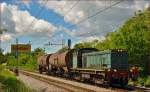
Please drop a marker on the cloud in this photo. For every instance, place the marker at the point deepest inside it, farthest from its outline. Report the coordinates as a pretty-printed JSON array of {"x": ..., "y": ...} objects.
[
  {"x": 99, "y": 25},
  {"x": 147, "y": 5},
  {"x": 5, "y": 37},
  {"x": 18, "y": 22},
  {"x": 22, "y": 23},
  {"x": 66, "y": 9},
  {"x": 26, "y": 3},
  {"x": 92, "y": 38}
]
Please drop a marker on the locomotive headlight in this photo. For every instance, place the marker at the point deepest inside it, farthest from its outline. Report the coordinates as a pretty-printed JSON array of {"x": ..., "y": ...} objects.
[
  {"x": 108, "y": 70},
  {"x": 115, "y": 70}
]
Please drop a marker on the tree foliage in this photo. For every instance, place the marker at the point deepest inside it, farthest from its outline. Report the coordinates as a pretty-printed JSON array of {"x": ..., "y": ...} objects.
[
  {"x": 63, "y": 49},
  {"x": 2, "y": 57},
  {"x": 25, "y": 60},
  {"x": 86, "y": 45}
]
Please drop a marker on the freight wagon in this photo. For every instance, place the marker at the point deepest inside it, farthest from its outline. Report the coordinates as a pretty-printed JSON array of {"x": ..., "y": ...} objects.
[{"x": 43, "y": 62}]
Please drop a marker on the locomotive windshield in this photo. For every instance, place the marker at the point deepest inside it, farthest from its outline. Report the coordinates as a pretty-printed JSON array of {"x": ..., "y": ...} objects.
[{"x": 119, "y": 60}]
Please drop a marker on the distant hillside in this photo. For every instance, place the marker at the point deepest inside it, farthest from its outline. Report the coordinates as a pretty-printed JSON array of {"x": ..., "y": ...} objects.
[{"x": 133, "y": 36}]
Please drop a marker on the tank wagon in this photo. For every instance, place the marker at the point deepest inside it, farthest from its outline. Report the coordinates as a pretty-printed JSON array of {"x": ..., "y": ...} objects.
[
  {"x": 59, "y": 63},
  {"x": 62, "y": 63},
  {"x": 88, "y": 64},
  {"x": 43, "y": 62}
]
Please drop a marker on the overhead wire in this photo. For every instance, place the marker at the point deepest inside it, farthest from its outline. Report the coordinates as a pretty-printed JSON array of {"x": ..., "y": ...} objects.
[
  {"x": 95, "y": 14},
  {"x": 38, "y": 13},
  {"x": 67, "y": 12},
  {"x": 89, "y": 17}
]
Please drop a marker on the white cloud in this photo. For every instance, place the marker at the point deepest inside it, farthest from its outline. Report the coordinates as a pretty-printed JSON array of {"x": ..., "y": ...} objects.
[
  {"x": 5, "y": 37},
  {"x": 26, "y": 2},
  {"x": 147, "y": 5},
  {"x": 100, "y": 24},
  {"x": 22, "y": 23},
  {"x": 17, "y": 22},
  {"x": 92, "y": 38},
  {"x": 65, "y": 9},
  {"x": 140, "y": 4}
]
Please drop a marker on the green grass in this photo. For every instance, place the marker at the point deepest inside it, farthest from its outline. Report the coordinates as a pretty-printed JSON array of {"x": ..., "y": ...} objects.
[
  {"x": 141, "y": 82},
  {"x": 9, "y": 83}
]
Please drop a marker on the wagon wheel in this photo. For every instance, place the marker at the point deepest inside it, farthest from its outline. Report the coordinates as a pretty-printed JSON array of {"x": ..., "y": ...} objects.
[
  {"x": 123, "y": 82},
  {"x": 49, "y": 69},
  {"x": 40, "y": 69}
]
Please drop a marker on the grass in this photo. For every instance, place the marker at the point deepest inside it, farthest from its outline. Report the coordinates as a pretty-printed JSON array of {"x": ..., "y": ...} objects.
[
  {"x": 9, "y": 82},
  {"x": 142, "y": 81}
]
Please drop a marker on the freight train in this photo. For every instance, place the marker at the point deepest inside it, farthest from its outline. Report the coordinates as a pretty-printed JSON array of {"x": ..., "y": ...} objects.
[{"x": 88, "y": 64}]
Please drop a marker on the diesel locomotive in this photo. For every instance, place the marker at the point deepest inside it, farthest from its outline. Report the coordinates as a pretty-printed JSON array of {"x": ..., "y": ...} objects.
[{"x": 88, "y": 64}]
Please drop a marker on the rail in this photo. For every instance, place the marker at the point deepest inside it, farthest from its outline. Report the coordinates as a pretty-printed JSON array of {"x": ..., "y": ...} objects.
[{"x": 71, "y": 86}]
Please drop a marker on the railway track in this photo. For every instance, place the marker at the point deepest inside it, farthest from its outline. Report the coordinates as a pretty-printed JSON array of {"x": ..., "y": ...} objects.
[
  {"x": 73, "y": 86},
  {"x": 144, "y": 89}
]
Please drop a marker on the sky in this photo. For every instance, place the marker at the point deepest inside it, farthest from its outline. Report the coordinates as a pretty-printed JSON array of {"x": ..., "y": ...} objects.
[{"x": 43, "y": 21}]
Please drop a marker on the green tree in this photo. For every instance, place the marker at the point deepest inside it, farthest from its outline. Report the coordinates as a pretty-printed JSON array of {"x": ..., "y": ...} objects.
[
  {"x": 38, "y": 52},
  {"x": 27, "y": 61},
  {"x": 63, "y": 49},
  {"x": 2, "y": 58}
]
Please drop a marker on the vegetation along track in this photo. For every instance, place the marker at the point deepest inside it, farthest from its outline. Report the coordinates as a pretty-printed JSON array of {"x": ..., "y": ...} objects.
[{"x": 71, "y": 86}]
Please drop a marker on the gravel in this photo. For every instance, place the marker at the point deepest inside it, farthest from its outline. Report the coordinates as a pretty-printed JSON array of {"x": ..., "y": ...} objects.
[{"x": 38, "y": 85}]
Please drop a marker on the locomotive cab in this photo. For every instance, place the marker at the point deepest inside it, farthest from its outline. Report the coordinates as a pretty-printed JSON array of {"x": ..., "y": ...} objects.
[{"x": 118, "y": 73}]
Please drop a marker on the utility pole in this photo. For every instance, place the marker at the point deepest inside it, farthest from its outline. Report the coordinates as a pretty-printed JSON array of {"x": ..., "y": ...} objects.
[
  {"x": 30, "y": 45},
  {"x": 0, "y": 43},
  {"x": 17, "y": 52},
  {"x": 149, "y": 41},
  {"x": 17, "y": 68},
  {"x": 0, "y": 37},
  {"x": 1, "y": 32}
]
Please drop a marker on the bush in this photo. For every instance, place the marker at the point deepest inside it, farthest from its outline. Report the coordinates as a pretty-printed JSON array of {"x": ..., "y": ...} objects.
[{"x": 147, "y": 83}]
